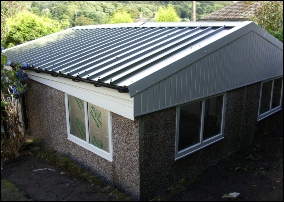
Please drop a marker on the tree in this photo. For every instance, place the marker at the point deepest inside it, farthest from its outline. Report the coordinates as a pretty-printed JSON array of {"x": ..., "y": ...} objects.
[
  {"x": 269, "y": 16},
  {"x": 26, "y": 26},
  {"x": 121, "y": 17},
  {"x": 8, "y": 9},
  {"x": 167, "y": 14},
  {"x": 82, "y": 20},
  {"x": 59, "y": 11}
]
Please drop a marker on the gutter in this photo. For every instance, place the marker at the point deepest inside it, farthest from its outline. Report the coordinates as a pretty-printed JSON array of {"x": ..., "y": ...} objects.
[{"x": 121, "y": 89}]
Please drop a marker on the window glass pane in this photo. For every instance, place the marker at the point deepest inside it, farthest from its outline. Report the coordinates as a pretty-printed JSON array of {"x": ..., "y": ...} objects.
[
  {"x": 276, "y": 92},
  {"x": 77, "y": 117},
  {"x": 265, "y": 97},
  {"x": 98, "y": 127},
  {"x": 189, "y": 125},
  {"x": 212, "y": 117}
]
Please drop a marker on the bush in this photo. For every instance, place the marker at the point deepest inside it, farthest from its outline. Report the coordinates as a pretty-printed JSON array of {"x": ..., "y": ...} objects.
[{"x": 26, "y": 26}]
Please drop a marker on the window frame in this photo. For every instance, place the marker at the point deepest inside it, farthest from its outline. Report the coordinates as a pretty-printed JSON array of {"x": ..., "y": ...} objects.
[
  {"x": 203, "y": 143},
  {"x": 271, "y": 110},
  {"x": 85, "y": 144}
]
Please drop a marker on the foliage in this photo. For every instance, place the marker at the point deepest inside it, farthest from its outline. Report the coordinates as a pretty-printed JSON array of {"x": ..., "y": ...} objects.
[
  {"x": 82, "y": 20},
  {"x": 12, "y": 129},
  {"x": 167, "y": 14},
  {"x": 269, "y": 16},
  {"x": 121, "y": 17},
  {"x": 26, "y": 26},
  {"x": 8, "y": 9}
]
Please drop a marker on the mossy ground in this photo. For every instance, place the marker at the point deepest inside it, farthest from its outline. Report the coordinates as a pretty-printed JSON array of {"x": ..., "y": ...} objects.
[
  {"x": 81, "y": 173},
  {"x": 9, "y": 192}
]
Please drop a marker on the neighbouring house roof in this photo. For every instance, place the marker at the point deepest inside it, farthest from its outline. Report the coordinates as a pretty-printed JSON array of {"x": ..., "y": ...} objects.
[
  {"x": 160, "y": 64},
  {"x": 240, "y": 10}
]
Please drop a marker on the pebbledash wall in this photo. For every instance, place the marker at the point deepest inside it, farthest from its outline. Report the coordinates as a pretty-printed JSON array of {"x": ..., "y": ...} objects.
[
  {"x": 47, "y": 120},
  {"x": 144, "y": 162},
  {"x": 158, "y": 151}
]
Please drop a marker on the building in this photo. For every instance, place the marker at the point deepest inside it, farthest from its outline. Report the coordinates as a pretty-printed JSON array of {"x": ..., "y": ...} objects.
[
  {"x": 237, "y": 11},
  {"x": 144, "y": 105}
]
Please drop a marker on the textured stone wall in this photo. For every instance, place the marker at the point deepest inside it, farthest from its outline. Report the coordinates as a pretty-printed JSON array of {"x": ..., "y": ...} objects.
[
  {"x": 47, "y": 120},
  {"x": 160, "y": 170},
  {"x": 157, "y": 147},
  {"x": 126, "y": 174}
]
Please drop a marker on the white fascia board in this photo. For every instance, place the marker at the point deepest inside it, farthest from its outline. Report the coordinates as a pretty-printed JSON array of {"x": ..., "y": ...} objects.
[{"x": 107, "y": 98}]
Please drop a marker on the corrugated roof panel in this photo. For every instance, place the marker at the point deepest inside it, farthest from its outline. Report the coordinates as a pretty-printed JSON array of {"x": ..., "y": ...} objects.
[
  {"x": 109, "y": 55},
  {"x": 162, "y": 58},
  {"x": 136, "y": 50},
  {"x": 98, "y": 49},
  {"x": 178, "y": 62}
]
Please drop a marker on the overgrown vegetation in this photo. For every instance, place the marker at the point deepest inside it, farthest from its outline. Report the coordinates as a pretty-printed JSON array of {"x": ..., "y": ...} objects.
[
  {"x": 13, "y": 130},
  {"x": 12, "y": 88}
]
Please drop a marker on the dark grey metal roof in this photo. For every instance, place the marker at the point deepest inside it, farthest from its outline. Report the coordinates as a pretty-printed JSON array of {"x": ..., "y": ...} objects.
[
  {"x": 161, "y": 65},
  {"x": 117, "y": 55}
]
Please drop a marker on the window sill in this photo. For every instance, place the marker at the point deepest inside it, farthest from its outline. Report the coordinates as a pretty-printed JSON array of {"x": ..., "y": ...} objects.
[
  {"x": 90, "y": 147},
  {"x": 198, "y": 147},
  {"x": 266, "y": 114}
]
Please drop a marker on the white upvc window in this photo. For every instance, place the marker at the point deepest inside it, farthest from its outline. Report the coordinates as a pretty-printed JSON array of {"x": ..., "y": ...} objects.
[
  {"x": 89, "y": 126},
  {"x": 199, "y": 124},
  {"x": 270, "y": 97}
]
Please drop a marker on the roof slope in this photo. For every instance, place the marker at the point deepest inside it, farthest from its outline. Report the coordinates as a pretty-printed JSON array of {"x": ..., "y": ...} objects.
[
  {"x": 240, "y": 10},
  {"x": 129, "y": 57},
  {"x": 115, "y": 56}
]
